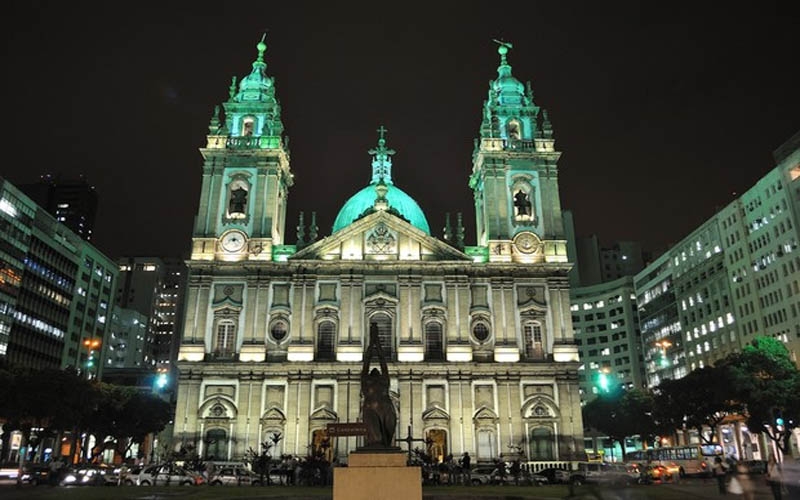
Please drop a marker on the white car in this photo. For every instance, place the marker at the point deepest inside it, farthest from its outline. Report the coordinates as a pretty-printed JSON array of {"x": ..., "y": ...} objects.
[
  {"x": 166, "y": 474},
  {"x": 235, "y": 476}
]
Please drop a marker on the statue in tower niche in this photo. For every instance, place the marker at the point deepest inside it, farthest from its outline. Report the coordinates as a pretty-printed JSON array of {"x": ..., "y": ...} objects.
[
  {"x": 238, "y": 201},
  {"x": 377, "y": 409},
  {"x": 522, "y": 203}
]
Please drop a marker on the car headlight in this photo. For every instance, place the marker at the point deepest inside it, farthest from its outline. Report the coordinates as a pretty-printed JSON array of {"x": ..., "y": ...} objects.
[{"x": 70, "y": 478}]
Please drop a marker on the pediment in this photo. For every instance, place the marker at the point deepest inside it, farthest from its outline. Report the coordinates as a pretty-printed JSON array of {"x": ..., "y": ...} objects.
[
  {"x": 274, "y": 414},
  {"x": 325, "y": 414},
  {"x": 380, "y": 236},
  {"x": 540, "y": 407},
  {"x": 485, "y": 414},
  {"x": 435, "y": 413}
]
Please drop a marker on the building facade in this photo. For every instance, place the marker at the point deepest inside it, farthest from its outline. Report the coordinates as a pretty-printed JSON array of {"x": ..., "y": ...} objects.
[
  {"x": 609, "y": 341},
  {"x": 154, "y": 287},
  {"x": 479, "y": 338},
  {"x": 56, "y": 290},
  {"x": 73, "y": 202}
]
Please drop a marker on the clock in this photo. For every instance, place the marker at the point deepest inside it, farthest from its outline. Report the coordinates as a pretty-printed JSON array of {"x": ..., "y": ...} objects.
[
  {"x": 233, "y": 241},
  {"x": 527, "y": 242}
]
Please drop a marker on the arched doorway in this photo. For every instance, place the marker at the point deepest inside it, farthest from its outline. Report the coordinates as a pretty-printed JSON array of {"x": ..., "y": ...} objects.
[
  {"x": 437, "y": 444},
  {"x": 541, "y": 444},
  {"x": 216, "y": 444}
]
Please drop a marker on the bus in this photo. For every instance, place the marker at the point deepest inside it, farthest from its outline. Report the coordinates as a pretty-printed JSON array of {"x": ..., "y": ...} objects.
[{"x": 687, "y": 460}]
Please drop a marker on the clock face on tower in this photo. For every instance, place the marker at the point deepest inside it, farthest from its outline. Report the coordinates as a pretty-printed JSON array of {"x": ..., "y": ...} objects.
[{"x": 233, "y": 241}]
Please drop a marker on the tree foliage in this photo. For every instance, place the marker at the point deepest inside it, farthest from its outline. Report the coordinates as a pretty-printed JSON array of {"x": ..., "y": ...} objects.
[
  {"x": 767, "y": 385},
  {"x": 703, "y": 398},
  {"x": 622, "y": 414},
  {"x": 59, "y": 401}
]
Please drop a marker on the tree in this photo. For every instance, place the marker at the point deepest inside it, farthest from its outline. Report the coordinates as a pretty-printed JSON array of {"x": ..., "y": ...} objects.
[
  {"x": 703, "y": 398},
  {"x": 262, "y": 460},
  {"x": 767, "y": 384},
  {"x": 125, "y": 415},
  {"x": 622, "y": 414}
]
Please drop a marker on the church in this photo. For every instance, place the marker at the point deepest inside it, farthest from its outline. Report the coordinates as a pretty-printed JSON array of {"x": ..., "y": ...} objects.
[{"x": 478, "y": 338}]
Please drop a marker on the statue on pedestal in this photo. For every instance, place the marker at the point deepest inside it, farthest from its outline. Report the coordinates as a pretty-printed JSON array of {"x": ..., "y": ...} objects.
[{"x": 377, "y": 409}]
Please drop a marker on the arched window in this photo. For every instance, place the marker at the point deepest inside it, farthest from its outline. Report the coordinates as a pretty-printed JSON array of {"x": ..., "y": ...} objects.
[
  {"x": 486, "y": 445},
  {"x": 248, "y": 126},
  {"x": 274, "y": 437},
  {"x": 542, "y": 444},
  {"x": 513, "y": 130},
  {"x": 434, "y": 343},
  {"x": 534, "y": 347},
  {"x": 216, "y": 441},
  {"x": 384, "y": 323},
  {"x": 326, "y": 338},
  {"x": 226, "y": 338}
]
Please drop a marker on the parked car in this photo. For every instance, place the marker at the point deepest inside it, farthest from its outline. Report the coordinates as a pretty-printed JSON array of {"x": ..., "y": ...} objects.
[
  {"x": 234, "y": 475},
  {"x": 483, "y": 475},
  {"x": 167, "y": 474},
  {"x": 606, "y": 473},
  {"x": 555, "y": 475}
]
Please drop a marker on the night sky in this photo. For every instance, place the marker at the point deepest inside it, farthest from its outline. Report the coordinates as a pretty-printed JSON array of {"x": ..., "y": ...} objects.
[{"x": 661, "y": 114}]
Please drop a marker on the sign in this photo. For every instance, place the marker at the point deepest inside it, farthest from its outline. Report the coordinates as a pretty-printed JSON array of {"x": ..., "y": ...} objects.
[{"x": 347, "y": 429}]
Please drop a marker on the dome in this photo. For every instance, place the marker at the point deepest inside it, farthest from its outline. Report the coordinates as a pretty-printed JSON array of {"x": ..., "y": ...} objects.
[{"x": 365, "y": 199}]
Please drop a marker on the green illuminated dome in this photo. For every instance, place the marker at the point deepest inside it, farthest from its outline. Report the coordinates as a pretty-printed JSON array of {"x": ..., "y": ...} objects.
[{"x": 371, "y": 198}]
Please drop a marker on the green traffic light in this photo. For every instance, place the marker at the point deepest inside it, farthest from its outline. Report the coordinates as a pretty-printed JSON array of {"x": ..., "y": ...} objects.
[{"x": 779, "y": 421}]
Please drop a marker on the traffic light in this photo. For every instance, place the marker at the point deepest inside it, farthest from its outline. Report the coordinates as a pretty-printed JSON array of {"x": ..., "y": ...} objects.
[
  {"x": 161, "y": 381},
  {"x": 602, "y": 381}
]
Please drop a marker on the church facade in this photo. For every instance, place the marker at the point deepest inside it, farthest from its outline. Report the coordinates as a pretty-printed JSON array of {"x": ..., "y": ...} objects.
[{"x": 478, "y": 339}]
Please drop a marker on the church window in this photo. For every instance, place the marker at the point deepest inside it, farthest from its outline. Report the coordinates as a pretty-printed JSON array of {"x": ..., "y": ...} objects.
[
  {"x": 248, "y": 126},
  {"x": 384, "y": 324},
  {"x": 226, "y": 337},
  {"x": 238, "y": 194},
  {"x": 480, "y": 330},
  {"x": 514, "y": 130},
  {"x": 534, "y": 348},
  {"x": 216, "y": 441},
  {"x": 522, "y": 204},
  {"x": 434, "y": 343},
  {"x": 541, "y": 443},
  {"x": 486, "y": 445},
  {"x": 278, "y": 330},
  {"x": 326, "y": 337}
]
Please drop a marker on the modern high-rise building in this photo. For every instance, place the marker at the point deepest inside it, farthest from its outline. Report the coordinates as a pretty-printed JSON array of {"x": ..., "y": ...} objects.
[
  {"x": 154, "y": 287},
  {"x": 478, "y": 338},
  {"x": 734, "y": 277},
  {"x": 609, "y": 341},
  {"x": 73, "y": 202},
  {"x": 55, "y": 289}
]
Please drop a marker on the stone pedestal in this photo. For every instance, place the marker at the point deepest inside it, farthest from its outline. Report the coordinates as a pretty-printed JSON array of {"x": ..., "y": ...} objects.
[{"x": 377, "y": 476}]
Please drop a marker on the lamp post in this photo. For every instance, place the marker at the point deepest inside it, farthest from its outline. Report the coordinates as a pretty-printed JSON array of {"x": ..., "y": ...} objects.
[
  {"x": 91, "y": 345},
  {"x": 664, "y": 345}
]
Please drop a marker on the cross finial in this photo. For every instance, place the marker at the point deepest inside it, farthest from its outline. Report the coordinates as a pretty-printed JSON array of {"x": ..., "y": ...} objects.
[{"x": 382, "y": 131}]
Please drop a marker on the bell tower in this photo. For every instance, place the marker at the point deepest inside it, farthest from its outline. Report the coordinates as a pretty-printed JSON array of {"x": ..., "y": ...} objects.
[
  {"x": 246, "y": 173},
  {"x": 515, "y": 174}
]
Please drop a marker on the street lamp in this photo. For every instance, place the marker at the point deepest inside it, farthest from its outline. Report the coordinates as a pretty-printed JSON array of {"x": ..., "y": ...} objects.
[
  {"x": 91, "y": 345},
  {"x": 664, "y": 345}
]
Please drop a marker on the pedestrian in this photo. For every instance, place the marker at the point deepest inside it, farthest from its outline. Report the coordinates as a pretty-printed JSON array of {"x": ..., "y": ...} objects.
[
  {"x": 466, "y": 461},
  {"x": 743, "y": 476},
  {"x": 774, "y": 477},
  {"x": 719, "y": 470}
]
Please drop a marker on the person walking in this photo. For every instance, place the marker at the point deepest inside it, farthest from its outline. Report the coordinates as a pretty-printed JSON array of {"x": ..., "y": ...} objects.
[
  {"x": 774, "y": 477},
  {"x": 466, "y": 461},
  {"x": 719, "y": 471}
]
